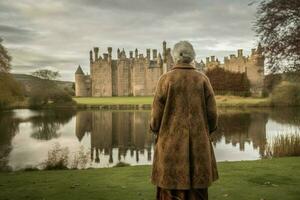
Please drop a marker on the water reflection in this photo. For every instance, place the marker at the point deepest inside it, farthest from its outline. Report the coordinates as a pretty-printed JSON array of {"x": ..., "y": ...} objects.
[
  {"x": 47, "y": 127},
  {"x": 8, "y": 129},
  {"x": 126, "y": 131},
  {"x": 113, "y": 136}
]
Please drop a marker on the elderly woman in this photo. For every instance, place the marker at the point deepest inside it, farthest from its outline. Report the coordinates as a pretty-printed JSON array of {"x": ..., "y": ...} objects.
[{"x": 183, "y": 116}]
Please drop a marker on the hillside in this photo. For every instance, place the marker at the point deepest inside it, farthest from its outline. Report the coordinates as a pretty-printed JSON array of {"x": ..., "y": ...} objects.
[{"x": 30, "y": 82}]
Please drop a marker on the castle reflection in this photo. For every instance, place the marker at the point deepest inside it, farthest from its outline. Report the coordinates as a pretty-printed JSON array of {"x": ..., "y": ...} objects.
[
  {"x": 126, "y": 131},
  {"x": 241, "y": 128}
]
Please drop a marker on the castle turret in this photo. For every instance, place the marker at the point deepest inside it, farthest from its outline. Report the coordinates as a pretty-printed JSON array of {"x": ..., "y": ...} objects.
[
  {"x": 118, "y": 53},
  {"x": 123, "y": 54},
  {"x": 164, "y": 51},
  {"x": 96, "y": 51},
  {"x": 81, "y": 89},
  {"x": 131, "y": 54},
  {"x": 240, "y": 52},
  {"x": 154, "y": 53},
  {"x": 207, "y": 60},
  {"x": 148, "y": 54},
  {"x": 212, "y": 58},
  {"x": 109, "y": 49},
  {"x": 91, "y": 56}
]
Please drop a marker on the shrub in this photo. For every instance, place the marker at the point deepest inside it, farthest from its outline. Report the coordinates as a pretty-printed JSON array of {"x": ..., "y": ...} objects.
[
  {"x": 58, "y": 158},
  {"x": 10, "y": 90},
  {"x": 286, "y": 94},
  {"x": 80, "y": 159}
]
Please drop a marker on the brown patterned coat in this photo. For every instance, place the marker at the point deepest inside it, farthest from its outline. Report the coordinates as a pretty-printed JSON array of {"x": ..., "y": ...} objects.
[{"x": 183, "y": 115}]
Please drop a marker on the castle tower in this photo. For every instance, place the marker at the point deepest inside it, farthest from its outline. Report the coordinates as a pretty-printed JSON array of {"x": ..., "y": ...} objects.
[
  {"x": 101, "y": 76},
  {"x": 255, "y": 71},
  {"x": 164, "y": 51},
  {"x": 81, "y": 87}
]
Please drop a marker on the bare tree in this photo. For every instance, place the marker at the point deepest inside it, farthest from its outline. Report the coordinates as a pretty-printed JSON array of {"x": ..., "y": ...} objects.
[
  {"x": 278, "y": 28},
  {"x": 4, "y": 58}
]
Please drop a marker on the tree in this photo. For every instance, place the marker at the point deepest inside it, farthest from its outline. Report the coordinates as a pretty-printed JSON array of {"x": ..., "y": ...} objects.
[
  {"x": 46, "y": 74},
  {"x": 4, "y": 58},
  {"x": 278, "y": 29}
]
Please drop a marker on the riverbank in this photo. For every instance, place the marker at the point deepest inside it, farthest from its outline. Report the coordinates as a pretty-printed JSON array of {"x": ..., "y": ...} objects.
[
  {"x": 139, "y": 103},
  {"x": 145, "y": 102},
  {"x": 252, "y": 180}
]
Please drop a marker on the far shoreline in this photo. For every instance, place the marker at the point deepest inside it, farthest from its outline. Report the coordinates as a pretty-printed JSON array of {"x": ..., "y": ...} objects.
[{"x": 144, "y": 103}]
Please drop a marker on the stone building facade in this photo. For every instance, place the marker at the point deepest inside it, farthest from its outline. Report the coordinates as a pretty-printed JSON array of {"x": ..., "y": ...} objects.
[{"x": 137, "y": 75}]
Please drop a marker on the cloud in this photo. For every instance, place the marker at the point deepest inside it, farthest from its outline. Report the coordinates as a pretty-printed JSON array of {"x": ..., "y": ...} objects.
[{"x": 61, "y": 33}]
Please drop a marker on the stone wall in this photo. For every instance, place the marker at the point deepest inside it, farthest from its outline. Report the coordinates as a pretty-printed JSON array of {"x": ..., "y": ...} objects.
[
  {"x": 153, "y": 74},
  {"x": 138, "y": 77},
  {"x": 124, "y": 77},
  {"x": 101, "y": 78}
]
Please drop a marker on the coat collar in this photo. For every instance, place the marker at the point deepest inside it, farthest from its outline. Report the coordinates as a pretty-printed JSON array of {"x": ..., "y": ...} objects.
[{"x": 183, "y": 66}]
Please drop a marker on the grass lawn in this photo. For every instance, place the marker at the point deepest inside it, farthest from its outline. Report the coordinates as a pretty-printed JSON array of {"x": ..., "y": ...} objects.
[
  {"x": 274, "y": 179},
  {"x": 221, "y": 100}
]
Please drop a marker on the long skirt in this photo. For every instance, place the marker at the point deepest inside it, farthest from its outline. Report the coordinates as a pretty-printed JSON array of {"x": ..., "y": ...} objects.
[{"x": 193, "y": 194}]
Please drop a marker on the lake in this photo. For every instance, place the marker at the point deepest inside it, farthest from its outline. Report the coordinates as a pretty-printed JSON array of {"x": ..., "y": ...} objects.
[{"x": 110, "y": 137}]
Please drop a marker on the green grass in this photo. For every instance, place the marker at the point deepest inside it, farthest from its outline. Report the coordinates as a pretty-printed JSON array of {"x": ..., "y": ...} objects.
[
  {"x": 236, "y": 101},
  {"x": 274, "y": 179},
  {"x": 113, "y": 100},
  {"x": 227, "y": 101}
]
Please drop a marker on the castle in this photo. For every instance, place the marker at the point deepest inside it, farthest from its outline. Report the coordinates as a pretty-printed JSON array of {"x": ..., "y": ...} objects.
[{"x": 137, "y": 74}]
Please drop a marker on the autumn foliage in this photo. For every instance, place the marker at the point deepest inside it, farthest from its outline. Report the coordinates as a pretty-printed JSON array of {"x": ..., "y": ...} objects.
[{"x": 224, "y": 82}]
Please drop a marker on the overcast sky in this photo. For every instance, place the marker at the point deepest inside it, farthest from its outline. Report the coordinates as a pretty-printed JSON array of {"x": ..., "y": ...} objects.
[{"x": 58, "y": 34}]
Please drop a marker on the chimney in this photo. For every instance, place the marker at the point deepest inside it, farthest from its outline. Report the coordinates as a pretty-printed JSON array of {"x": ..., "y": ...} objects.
[
  {"x": 154, "y": 53},
  {"x": 148, "y": 54},
  {"x": 131, "y": 54},
  {"x": 109, "y": 49},
  {"x": 136, "y": 53},
  {"x": 118, "y": 53},
  {"x": 91, "y": 56},
  {"x": 164, "y": 51},
  {"x": 207, "y": 60},
  {"x": 240, "y": 52},
  {"x": 96, "y": 51}
]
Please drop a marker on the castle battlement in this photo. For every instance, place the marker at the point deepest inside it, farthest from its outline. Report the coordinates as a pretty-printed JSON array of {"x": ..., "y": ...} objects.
[
  {"x": 136, "y": 74},
  {"x": 121, "y": 55}
]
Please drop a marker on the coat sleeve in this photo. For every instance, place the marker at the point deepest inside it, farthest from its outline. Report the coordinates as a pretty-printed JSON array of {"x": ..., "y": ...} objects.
[
  {"x": 211, "y": 107},
  {"x": 158, "y": 105}
]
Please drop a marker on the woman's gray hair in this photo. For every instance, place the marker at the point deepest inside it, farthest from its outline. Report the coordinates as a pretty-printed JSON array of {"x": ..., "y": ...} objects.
[{"x": 183, "y": 52}]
